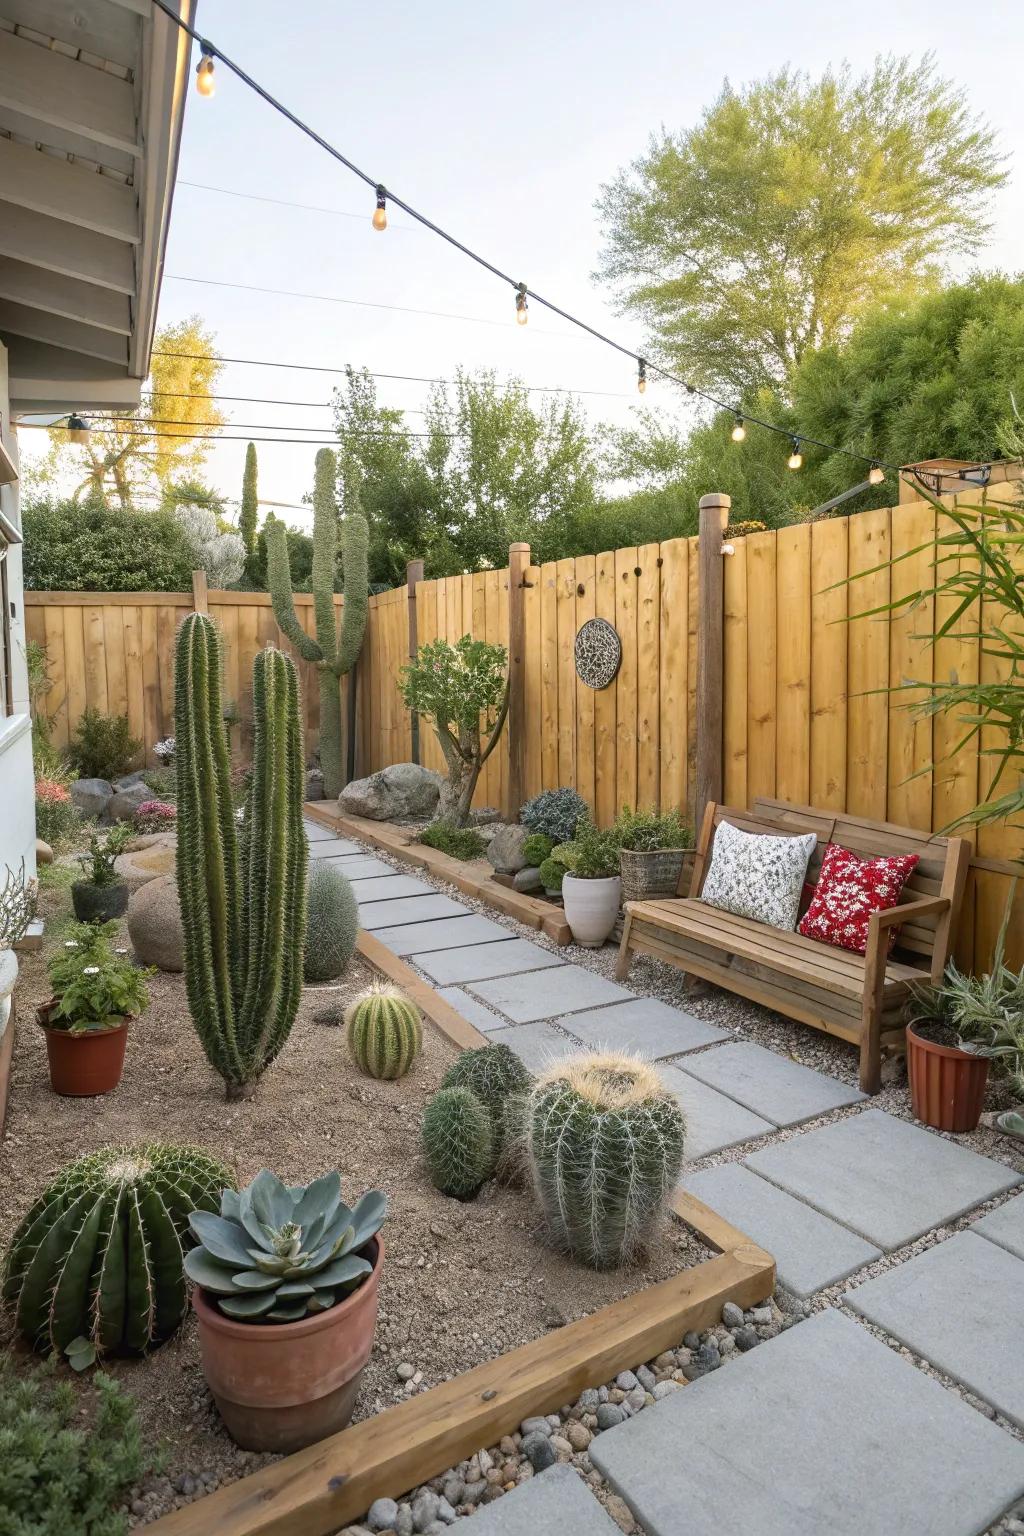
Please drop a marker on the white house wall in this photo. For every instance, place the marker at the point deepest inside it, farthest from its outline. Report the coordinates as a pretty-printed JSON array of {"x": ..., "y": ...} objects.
[{"x": 17, "y": 796}]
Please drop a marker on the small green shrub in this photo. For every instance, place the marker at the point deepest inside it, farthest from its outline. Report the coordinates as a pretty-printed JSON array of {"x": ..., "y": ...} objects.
[
  {"x": 98, "y": 864},
  {"x": 646, "y": 831},
  {"x": 88, "y": 547},
  {"x": 459, "y": 842},
  {"x": 537, "y": 847},
  {"x": 555, "y": 812},
  {"x": 163, "y": 782},
  {"x": 552, "y": 874},
  {"x": 595, "y": 855},
  {"x": 104, "y": 747},
  {"x": 458, "y": 1142}
]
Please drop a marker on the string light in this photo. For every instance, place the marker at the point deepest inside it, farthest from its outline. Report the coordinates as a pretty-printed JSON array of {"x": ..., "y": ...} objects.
[
  {"x": 641, "y": 375},
  {"x": 522, "y": 308},
  {"x": 739, "y": 431},
  {"x": 876, "y": 474},
  {"x": 79, "y": 430},
  {"x": 796, "y": 458},
  {"x": 205, "y": 82},
  {"x": 380, "y": 217}
]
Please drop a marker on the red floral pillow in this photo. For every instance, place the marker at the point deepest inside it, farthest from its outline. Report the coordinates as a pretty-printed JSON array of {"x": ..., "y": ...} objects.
[{"x": 849, "y": 889}]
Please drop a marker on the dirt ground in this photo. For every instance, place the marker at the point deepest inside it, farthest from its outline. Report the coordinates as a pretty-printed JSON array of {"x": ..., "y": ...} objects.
[{"x": 462, "y": 1282}]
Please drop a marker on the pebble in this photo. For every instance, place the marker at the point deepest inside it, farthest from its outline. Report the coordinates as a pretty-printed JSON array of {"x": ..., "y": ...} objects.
[
  {"x": 726, "y": 1345},
  {"x": 732, "y": 1315},
  {"x": 454, "y": 1490},
  {"x": 405, "y": 1371},
  {"x": 620, "y": 1513},
  {"x": 588, "y": 1400},
  {"x": 691, "y": 1340},
  {"x": 646, "y": 1377},
  {"x": 534, "y": 1426},
  {"x": 539, "y": 1450},
  {"x": 626, "y": 1381},
  {"x": 636, "y": 1399},
  {"x": 579, "y": 1436},
  {"x": 445, "y": 1512},
  {"x": 425, "y": 1509},
  {"x": 610, "y": 1414},
  {"x": 473, "y": 1492},
  {"x": 747, "y": 1337},
  {"x": 761, "y": 1316},
  {"x": 403, "y": 1520},
  {"x": 382, "y": 1514},
  {"x": 665, "y": 1389}
]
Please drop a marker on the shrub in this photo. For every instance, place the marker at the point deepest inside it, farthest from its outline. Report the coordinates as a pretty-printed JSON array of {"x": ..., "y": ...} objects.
[
  {"x": 87, "y": 547},
  {"x": 555, "y": 812},
  {"x": 19, "y": 899},
  {"x": 552, "y": 874},
  {"x": 332, "y": 923},
  {"x": 537, "y": 847},
  {"x": 163, "y": 782},
  {"x": 459, "y": 842},
  {"x": 595, "y": 855},
  {"x": 62, "y": 1470},
  {"x": 104, "y": 747},
  {"x": 57, "y": 818},
  {"x": 155, "y": 816},
  {"x": 646, "y": 831},
  {"x": 98, "y": 864},
  {"x": 458, "y": 1142}
]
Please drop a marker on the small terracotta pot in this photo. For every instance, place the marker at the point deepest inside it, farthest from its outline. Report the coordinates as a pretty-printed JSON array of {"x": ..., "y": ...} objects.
[
  {"x": 280, "y": 1386},
  {"x": 85, "y": 1065},
  {"x": 947, "y": 1085},
  {"x": 98, "y": 903}
]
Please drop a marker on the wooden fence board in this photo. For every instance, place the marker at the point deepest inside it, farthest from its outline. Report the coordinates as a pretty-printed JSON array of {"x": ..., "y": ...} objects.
[
  {"x": 867, "y": 652},
  {"x": 625, "y": 683},
  {"x": 565, "y": 622},
  {"x": 586, "y": 608},
  {"x": 735, "y": 676},
  {"x": 793, "y": 649},
  {"x": 672, "y": 670},
  {"x": 531, "y": 609},
  {"x": 911, "y": 659},
  {"x": 829, "y": 661},
  {"x": 762, "y": 664},
  {"x": 648, "y": 671}
]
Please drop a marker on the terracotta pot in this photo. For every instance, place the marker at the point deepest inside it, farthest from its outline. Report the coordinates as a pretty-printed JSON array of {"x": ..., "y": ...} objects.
[
  {"x": 98, "y": 903},
  {"x": 947, "y": 1085},
  {"x": 280, "y": 1386},
  {"x": 591, "y": 907},
  {"x": 84, "y": 1065}
]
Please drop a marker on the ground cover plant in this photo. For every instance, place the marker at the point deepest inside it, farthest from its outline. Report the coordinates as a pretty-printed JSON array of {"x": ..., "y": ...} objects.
[{"x": 457, "y": 842}]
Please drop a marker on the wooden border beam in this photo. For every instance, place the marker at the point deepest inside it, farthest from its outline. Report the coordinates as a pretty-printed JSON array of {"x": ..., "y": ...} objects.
[
  {"x": 51, "y": 88},
  {"x": 41, "y": 241}
]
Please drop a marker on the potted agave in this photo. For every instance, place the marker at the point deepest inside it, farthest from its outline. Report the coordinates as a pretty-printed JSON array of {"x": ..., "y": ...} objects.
[
  {"x": 285, "y": 1289},
  {"x": 101, "y": 896},
  {"x": 652, "y": 850},
  {"x": 591, "y": 887},
  {"x": 97, "y": 992}
]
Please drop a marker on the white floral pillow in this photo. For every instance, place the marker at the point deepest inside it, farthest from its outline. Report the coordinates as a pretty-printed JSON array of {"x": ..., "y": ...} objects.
[{"x": 757, "y": 876}]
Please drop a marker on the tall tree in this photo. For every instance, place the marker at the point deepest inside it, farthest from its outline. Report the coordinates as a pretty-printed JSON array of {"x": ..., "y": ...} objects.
[
  {"x": 793, "y": 205},
  {"x": 249, "y": 509}
]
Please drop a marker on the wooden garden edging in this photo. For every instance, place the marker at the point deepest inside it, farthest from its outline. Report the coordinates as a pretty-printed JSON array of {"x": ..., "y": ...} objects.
[{"x": 318, "y": 1490}]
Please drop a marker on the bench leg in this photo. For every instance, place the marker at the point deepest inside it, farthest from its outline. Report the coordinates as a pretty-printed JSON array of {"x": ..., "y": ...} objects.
[{"x": 625, "y": 958}]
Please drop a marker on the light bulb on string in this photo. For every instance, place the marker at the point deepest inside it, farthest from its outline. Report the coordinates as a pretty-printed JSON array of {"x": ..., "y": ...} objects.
[
  {"x": 641, "y": 375},
  {"x": 79, "y": 430},
  {"x": 205, "y": 82},
  {"x": 739, "y": 431},
  {"x": 796, "y": 458},
  {"x": 876, "y": 474},
  {"x": 522, "y": 308},
  {"x": 380, "y": 217}
]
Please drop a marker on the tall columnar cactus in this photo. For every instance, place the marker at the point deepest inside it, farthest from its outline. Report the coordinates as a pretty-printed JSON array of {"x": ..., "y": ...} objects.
[
  {"x": 605, "y": 1145},
  {"x": 97, "y": 1263},
  {"x": 249, "y": 510},
  {"x": 385, "y": 1032},
  {"x": 242, "y": 890},
  {"x": 334, "y": 651},
  {"x": 332, "y": 922}
]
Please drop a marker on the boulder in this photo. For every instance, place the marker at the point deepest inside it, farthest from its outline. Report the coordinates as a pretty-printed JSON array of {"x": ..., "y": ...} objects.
[
  {"x": 403, "y": 791},
  {"x": 91, "y": 796},
  {"x": 44, "y": 853},
  {"x": 528, "y": 879},
  {"x": 314, "y": 784},
  {"x": 154, "y": 925},
  {"x": 123, "y": 804},
  {"x": 505, "y": 850},
  {"x": 129, "y": 780},
  {"x": 137, "y": 868}
]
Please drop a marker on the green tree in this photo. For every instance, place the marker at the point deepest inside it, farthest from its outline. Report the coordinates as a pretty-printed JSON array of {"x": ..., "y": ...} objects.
[
  {"x": 789, "y": 209},
  {"x": 463, "y": 689},
  {"x": 88, "y": 547},
  {"x": 250, "y": 505}
]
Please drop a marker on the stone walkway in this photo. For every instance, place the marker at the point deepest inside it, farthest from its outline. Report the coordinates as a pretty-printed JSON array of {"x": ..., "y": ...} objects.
[{"x": 824, "y": 1426}]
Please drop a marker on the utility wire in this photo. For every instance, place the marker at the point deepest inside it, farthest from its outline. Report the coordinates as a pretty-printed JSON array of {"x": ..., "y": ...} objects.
[
  {"x": 280, "y": 202},
  {"x": 405, "y": 378},
  {"x": 218, "y": 437}
]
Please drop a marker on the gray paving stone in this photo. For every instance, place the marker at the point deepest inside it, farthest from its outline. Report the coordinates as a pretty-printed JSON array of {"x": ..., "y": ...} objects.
[
  {"x": 480, "y": 962},
  {"x": 446, "y": 933},
  {"x": 810, "y": 1250},
  {"x": 540, "y": 995},
  {"x": 390, "y": 886},
  {"x": 472, "y": 1008},
  {"x": 958, "y": 1305},
  {"x": 782, "y": 1091},
  {"x": 536, "y": 1045},
  {"x": 884, "y": 1178},
  {"x": 645, "y": 1025},
  {"x": 712, "y": 1120},
  {"x": 822, "y": 1429},
  {"x": 409, "y": 909},
  {"x": 1005, "y": 1226},
  {"x": 325, "y": 847},
  {"x": 554, "y": 1503},
  {"x": 358, "y": 866},
  {"x": 316, "y": 832}
]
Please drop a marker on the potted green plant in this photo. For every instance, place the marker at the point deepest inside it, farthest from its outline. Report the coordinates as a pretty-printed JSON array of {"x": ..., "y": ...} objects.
[
  {"x": 101, "y": 896},
  {"x": 652, "y": 850},
  {"x": 591, "y": 887},
  {"x": 97, "y": 992},
  {"x": 286, "y": 1281}
]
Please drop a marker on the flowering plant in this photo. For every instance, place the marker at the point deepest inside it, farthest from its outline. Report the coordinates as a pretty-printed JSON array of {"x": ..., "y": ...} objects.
[
  {"x": 51, "y": 792},
  {"x": 57, "y": 816},
  {"x": 96, "y": 986},
  {"x": 155, "y": 816},
  {"x": 164, "y": 750}
]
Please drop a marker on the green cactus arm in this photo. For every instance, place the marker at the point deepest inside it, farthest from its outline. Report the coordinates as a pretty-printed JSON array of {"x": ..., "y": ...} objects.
[
  {"x": 355, "y": 544},
  {"x": 279, "y": 580},
  {"x": 325, "y": 548},
  {"x": 249, "y": 511}
]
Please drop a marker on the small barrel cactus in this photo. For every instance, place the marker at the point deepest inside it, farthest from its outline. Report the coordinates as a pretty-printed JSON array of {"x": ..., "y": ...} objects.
[
  {"x": 96, "y": 1265},
  {"x": 385, "y": 1032},
  {"x": 604, "y": 1140},
  {"x": 332, "y": 922},
  {"x": 493, "y": 1072},
  {"x": 458, "y": 1142}
]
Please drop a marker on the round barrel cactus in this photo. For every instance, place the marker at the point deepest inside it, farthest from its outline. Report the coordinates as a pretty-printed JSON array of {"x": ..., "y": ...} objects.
[
  {"x": 458, "y": 1142},
  {"x": 385, "y": 1032},
  {"x": 604, "y": 1140},
  {"x": 493, "y": 1072},
  {"x": 97, "y": 1264},
  {"x": 332, "y": 922}
]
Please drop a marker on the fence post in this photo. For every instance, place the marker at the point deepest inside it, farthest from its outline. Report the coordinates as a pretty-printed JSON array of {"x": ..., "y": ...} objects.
[
  {"x": 518, "y": 561},
  {"x": 413, "y": 577},
  {"x": 714, "y": 514},
  {"x": 200, "y": 592}
]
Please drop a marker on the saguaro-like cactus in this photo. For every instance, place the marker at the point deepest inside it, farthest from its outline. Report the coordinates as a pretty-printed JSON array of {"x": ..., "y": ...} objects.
[
  {"x": 335, "y": 649},
  {"x": 243, "y": 908}
]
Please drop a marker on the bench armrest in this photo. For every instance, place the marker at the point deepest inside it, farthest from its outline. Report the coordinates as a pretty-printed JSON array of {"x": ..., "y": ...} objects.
[{"x": 926, "y": 906}]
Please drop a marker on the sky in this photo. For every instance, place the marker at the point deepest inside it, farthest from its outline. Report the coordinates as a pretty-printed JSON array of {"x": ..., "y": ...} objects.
[{"x": 501, "y": 123}]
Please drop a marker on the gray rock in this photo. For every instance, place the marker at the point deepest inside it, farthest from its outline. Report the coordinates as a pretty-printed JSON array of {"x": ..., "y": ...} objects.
[
  {"x": 528, "y": 879},
  {"x": 732, "y": 1315},
  {"x": 485, "y": 816},
  {"x": 533, "y": 1426},
  {"x": 539, "y": 1450},
  {"x": 610, "y": 1414},
  {"x": 691, "y": 1340},
  {"x": 405, "y": 1371},
  {"x": 382, "y": 1514},
  {"x": 636, "y": 1398},
  {"x": 454, "y": 1490},
  {"x": 747, "y": 1337},
  {"x": 445, "y": 1512},
  {"x": 425, "y": 1507},
  {"x": 665, "y": 1389},
  {"x": 626, "y": 1381},
  {"x": 123, "y": 804},
  {"x": 505, "y": 851},
  {"x": 589, "y": 1400},
  {"x": 761, "y": 1316},
  {"x": 154, "y": 924},
  {"x": 91, "y": 796},
  {"x": 472, "y": 1493},
  {"x": 403, "y": 790},
  {"x": 403, "y": 1520},
  {"x": 314, "y": 784},
  {"x": 646, "y": 1377},
  {"x": 130, "y": 780}
]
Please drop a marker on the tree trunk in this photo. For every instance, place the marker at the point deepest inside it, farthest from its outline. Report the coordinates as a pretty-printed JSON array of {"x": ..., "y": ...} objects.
[{"x": 458, "y": 790}]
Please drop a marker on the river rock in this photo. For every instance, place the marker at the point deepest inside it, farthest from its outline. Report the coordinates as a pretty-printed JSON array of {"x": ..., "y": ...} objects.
[
  {"x": 44, "y": 853},
  {"x": 140, "y": 865},
  {"x": 91, "y": 796},
  {"x": 528, "y": 879},
  {"x": 404, "y": 790},
  {"x": 123, "y": 804},
  {"x": 505, "y": 850},
  {"x": 154, "y": 925}
]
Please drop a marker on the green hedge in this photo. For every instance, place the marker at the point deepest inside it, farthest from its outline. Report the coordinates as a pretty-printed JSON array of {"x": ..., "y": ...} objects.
[{"x": 87, "y": 547}]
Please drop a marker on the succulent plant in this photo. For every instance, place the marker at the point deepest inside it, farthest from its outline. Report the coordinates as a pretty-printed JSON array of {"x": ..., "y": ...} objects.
[
  {"x": 96, "y": 1264},
  {"x": 280, "y": 1252},
  {"x": 332, "y": 922},
  {"x": 458, "y": 1142},
  {"x": 385, "y": 1032},
  {"x": 493, "y": 1072},
  {"x": 604, "y": 1139}
]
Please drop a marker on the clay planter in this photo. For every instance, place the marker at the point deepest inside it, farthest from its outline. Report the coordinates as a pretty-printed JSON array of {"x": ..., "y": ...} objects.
[
  {"x": 280, "y": 1386},
  {"x": 86, "y": 1064},
  {"x": 591, "y": 907},
  {"x": 947, "y": 1085},
  {"x": 98, "y": 903}
]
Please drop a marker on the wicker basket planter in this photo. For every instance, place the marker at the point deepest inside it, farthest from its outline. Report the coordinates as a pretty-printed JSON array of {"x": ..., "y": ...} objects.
[{"x": 651, "y": 874}]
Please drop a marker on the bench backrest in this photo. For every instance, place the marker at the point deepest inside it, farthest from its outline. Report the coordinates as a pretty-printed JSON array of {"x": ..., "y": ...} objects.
[{"x": 940, "y": 870}]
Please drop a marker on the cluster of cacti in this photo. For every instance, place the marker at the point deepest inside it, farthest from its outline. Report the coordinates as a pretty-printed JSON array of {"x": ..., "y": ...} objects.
[
  {"x": 242, "y": 890},
  {"x": 333, "y": 653},
  {"x": 385, "y": 1032},
  {"x": 493, "y": 1072},
  {"x": 332, "y": 922},
  {"x": 96, "y": 1264},
  {"x": 279, "y": 1252},
  {"x": 458, "y": 1142},
  {"x": 604, "y": 1139}
]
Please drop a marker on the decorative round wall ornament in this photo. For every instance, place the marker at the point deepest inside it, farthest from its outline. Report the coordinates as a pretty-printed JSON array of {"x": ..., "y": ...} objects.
[{"x": 598, "y": 653}]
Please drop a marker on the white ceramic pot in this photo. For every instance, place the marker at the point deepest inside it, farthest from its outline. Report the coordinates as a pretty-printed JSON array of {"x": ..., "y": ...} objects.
[{"x": 591, "y": 907}]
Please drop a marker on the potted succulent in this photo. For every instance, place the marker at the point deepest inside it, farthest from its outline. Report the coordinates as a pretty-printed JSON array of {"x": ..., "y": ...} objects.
[
  {"x": 652, "y": 850},
  {"x": 285, "y": 1290},
  {"x": 97, "y": 992},
  {"x": 101, "y": 896},
  {"x": 591, "y": 887}
]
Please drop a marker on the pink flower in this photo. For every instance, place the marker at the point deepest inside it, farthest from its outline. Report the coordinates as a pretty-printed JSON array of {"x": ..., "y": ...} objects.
[{"x": 52, "y": 792}]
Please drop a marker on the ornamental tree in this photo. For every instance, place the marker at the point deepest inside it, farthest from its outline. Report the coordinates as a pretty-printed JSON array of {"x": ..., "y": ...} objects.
[{"x": 463, "y": 689}]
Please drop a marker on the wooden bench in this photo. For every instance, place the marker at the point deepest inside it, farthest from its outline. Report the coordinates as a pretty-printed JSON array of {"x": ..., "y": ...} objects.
[{"x": 859, "y": 998}]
